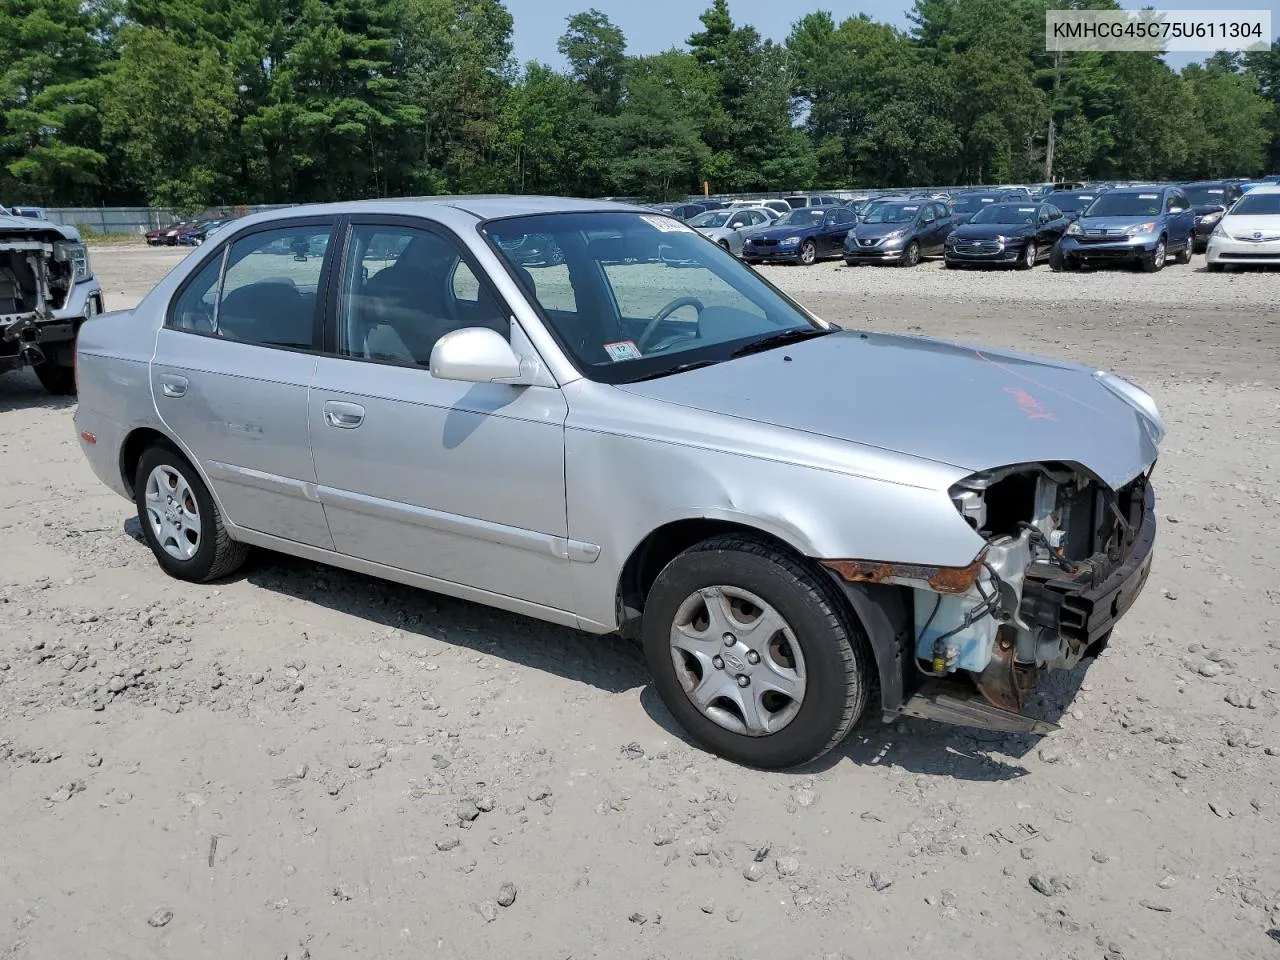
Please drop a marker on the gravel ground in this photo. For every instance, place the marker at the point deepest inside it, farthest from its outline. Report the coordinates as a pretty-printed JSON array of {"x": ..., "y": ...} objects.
[{"x": 301, "y": 762}]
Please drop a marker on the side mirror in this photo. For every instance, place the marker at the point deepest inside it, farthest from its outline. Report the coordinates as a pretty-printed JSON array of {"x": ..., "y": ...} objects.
[{"x": 475, "y": 355}]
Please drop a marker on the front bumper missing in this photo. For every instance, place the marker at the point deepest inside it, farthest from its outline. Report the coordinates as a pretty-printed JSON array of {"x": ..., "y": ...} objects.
[{"x": 1081, "y": 606}]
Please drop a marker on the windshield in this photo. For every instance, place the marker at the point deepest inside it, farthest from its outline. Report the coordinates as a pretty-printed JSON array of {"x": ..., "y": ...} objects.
[
  {"x": 1206, "y": 195},
  {"x": 803, "y": 217},
  {"x": 1006, "y": 213},
  {"x": 892, "y": 213},
  {"x": 712, "y": 218},
  {"x": 1125, "y": 205},
  {"x": 1071, "y": 202},
  {"x": 630, "y": 296},
  {"x": 1257, "y": 205},
  {"x": 973, "y": 204}
]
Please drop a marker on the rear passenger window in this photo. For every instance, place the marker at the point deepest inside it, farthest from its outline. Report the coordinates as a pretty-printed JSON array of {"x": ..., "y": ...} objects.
[
  {"x": 194, "y": 309},
  {"x": 270, "y": 285}
]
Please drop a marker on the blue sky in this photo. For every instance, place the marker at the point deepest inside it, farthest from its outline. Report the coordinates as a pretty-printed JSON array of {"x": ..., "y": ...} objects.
[{"x": 655, "y": 25}]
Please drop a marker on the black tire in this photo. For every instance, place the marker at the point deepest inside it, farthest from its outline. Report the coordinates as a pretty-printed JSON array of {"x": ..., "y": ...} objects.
[
  {"x": 910, "y": 255},
  {"x": 1028, "y": 257},
  {"x": 839, "y": 666},
  {"x": 1153, "y": 262},
  {"x": 1214, "y": 267},
  {"x": 724, "y": 244},
  {"x": 1059, "y": 262},
  {"x": 1184, "y": 255},
  {"x": 808, "y": 253},
  {"x": 851, "y": 263},
  {"x": 216, "y": 555},
  {"x": 57, "y": 379}
]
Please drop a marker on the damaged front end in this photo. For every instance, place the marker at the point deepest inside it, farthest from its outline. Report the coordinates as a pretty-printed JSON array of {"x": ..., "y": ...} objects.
[
  {"x": 1065, "y": 558},
  {"x": 40, "y": 270}
]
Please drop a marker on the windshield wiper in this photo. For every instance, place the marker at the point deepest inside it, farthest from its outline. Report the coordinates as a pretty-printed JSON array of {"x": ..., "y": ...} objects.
[
  {"x": 778, "y": 340},
  {"x": 678, "y": 368}
]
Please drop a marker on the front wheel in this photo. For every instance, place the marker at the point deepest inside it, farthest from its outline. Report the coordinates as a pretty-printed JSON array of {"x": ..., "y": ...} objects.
[
  {"x": 808, "y": 253},
  {"x": 1029, "y": 256},
  {"x": 180, "y": 521},
  {"x": 1153, "y": 262},
  {"x": 1214, "y": 267},
  {"x": 1060, "y": 261},
  {"x": 911, "y": 255},
  {"x": 755, "y": 654}
]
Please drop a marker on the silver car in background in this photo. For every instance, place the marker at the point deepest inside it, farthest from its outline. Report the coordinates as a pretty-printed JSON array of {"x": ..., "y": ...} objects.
[
  {"x": 730, "y": 226},
  {"x": 633, "y": 432}
]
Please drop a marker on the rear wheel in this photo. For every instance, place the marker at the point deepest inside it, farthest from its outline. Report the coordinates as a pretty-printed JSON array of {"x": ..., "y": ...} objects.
[
  {"x": 808, "y": 252},
  {"x": 1185, "y": 255},
  {"x": 754, "y": 653},
  {"x": 180, "y": 521}
]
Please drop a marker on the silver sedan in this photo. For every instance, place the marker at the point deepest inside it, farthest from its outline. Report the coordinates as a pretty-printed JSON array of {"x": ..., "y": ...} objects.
[
  {"x": 730, "y": 227},
  {"x": 629, "y": 430}
]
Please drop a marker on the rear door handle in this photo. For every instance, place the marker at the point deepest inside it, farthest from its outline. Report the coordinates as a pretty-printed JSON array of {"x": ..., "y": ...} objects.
[
  {"x": 345, "y": 416},
  {"x": 172, "y": 385}
]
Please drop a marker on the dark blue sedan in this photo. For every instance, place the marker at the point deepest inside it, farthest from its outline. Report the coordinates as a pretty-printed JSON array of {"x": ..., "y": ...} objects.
[{"x": 805, "y": 235}]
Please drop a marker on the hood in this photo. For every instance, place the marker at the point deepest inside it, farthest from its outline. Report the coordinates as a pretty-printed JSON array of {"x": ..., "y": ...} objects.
[
  {"x": 989, "y": 231},
  {"x": 29, "y": 226},
  {"x": 1113, "y": 225},
  {"x": 1247, "y": 226},
  {"x": 874, "y": 231},
  {"x": 1200, "y": 209},
  {"x": 969, "y": 407},
  {"x": 774, "y": 232},
  {"x": 715, "y": 233}
]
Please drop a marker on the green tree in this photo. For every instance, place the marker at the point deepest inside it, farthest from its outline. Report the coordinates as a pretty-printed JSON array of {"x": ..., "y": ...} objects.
[
  {"x": 50, "y": 76},
  {"x": 1232, "y": 122},
  {"x": 167, "y": 110},
  {"x": 596, "y": 50}
]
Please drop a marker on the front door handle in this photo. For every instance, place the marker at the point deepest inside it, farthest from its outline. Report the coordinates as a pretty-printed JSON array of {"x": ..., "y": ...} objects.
[
  {"x": 345, "y": 416},
  {"x": 172, "y": 385}
]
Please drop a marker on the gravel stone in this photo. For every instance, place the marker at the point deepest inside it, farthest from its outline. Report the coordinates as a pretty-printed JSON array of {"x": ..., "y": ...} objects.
[
  {"x": 880, "y": 881},
  {"x": 506, "y": 894},
  {"x": 160, "y": 918}
]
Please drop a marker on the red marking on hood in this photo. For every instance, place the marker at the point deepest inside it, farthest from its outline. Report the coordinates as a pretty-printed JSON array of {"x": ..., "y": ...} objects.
[{"x": 1028, "y": 404}]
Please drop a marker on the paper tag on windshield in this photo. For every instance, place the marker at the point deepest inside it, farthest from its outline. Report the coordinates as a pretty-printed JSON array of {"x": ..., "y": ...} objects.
[
  {"x": 1148, "y": 196},
  {"x": 666, "y": 224},
  {"x": 622, "y": 350}
]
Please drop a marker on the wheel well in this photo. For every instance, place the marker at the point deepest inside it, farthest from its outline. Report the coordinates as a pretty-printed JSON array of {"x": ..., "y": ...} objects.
[
  {"x": 135, "y": 445},
  {"x": 661, "y": 547}
]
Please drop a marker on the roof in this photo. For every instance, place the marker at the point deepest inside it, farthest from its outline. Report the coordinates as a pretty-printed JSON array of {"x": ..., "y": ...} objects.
[{"x": 1265, "y": 188}]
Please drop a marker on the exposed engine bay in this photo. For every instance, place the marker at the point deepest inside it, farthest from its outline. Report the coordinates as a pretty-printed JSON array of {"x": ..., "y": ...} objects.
[
  {"x": 36, "y": 277},
  {"x": 1062, "y": 564}
]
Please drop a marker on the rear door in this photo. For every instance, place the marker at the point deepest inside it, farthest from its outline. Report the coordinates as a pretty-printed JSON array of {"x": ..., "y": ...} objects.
[{"x": 232, "y": 368}]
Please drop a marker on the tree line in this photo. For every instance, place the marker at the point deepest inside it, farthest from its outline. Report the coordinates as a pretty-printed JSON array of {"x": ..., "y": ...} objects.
[{"x": 211, "y": 102}]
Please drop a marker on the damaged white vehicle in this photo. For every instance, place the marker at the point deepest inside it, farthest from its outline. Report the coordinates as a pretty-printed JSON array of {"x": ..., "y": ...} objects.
[
  {"x": 633, "y": 432},
  {"x": 47, "y": 290}
]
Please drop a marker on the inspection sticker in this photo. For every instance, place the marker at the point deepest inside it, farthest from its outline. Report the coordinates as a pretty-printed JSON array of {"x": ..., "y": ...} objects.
[
  {"x": 622, "y": 350},
  {"x": 666, "y": 224}
]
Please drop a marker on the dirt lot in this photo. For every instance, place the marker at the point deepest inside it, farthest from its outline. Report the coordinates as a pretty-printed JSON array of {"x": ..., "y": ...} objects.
[{"x": 302, "y": 762}]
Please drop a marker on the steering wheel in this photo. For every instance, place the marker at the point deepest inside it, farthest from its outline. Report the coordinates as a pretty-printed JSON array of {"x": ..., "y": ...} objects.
[{"x": 665, "y": 312}]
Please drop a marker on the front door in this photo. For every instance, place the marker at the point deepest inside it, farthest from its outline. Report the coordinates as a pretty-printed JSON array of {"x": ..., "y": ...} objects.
[
  {"x": 463, "y": 482},
  {"x": 231, "y": 372}
]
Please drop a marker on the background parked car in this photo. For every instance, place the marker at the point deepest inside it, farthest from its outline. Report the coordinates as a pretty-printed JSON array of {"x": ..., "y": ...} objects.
[
  {"x": 1009, "y": 234},
  {"x": 1073, "y": 202},
  {"x": 31, "y": 213},
  {"x": 729, "y": 227},
  {"x": 900, "y": 232},
  {"x": 1142, "y": 225},
  {"x": 819, "y": 200},
  {"x": 683, "y": 211},
  {"x": 802, "y": 236},
  {"x": 965, "y": 205},
  {"x": 1210, "y": 200},
  {"x": 1249, "y": 233},
  {"x": 197, "y": 233}
]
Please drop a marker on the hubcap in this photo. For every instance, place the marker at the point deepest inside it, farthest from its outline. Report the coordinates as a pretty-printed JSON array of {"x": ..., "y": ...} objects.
[
  {"x": 1031, "y": 254},
  {"x": 807, "y": 254},
  {"x": 173, "y": 512},
  {"x": 738, "y": 660},
  {"x": 1159, "y": 254}
]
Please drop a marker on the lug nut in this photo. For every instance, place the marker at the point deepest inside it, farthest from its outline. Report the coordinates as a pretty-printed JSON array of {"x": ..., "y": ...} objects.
[
  {"x": 743, "y": 680},
  {"x": 717, "y": 663},
  {"x": 752, "y": 657},
  {"x": 729, "y": 639}
]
